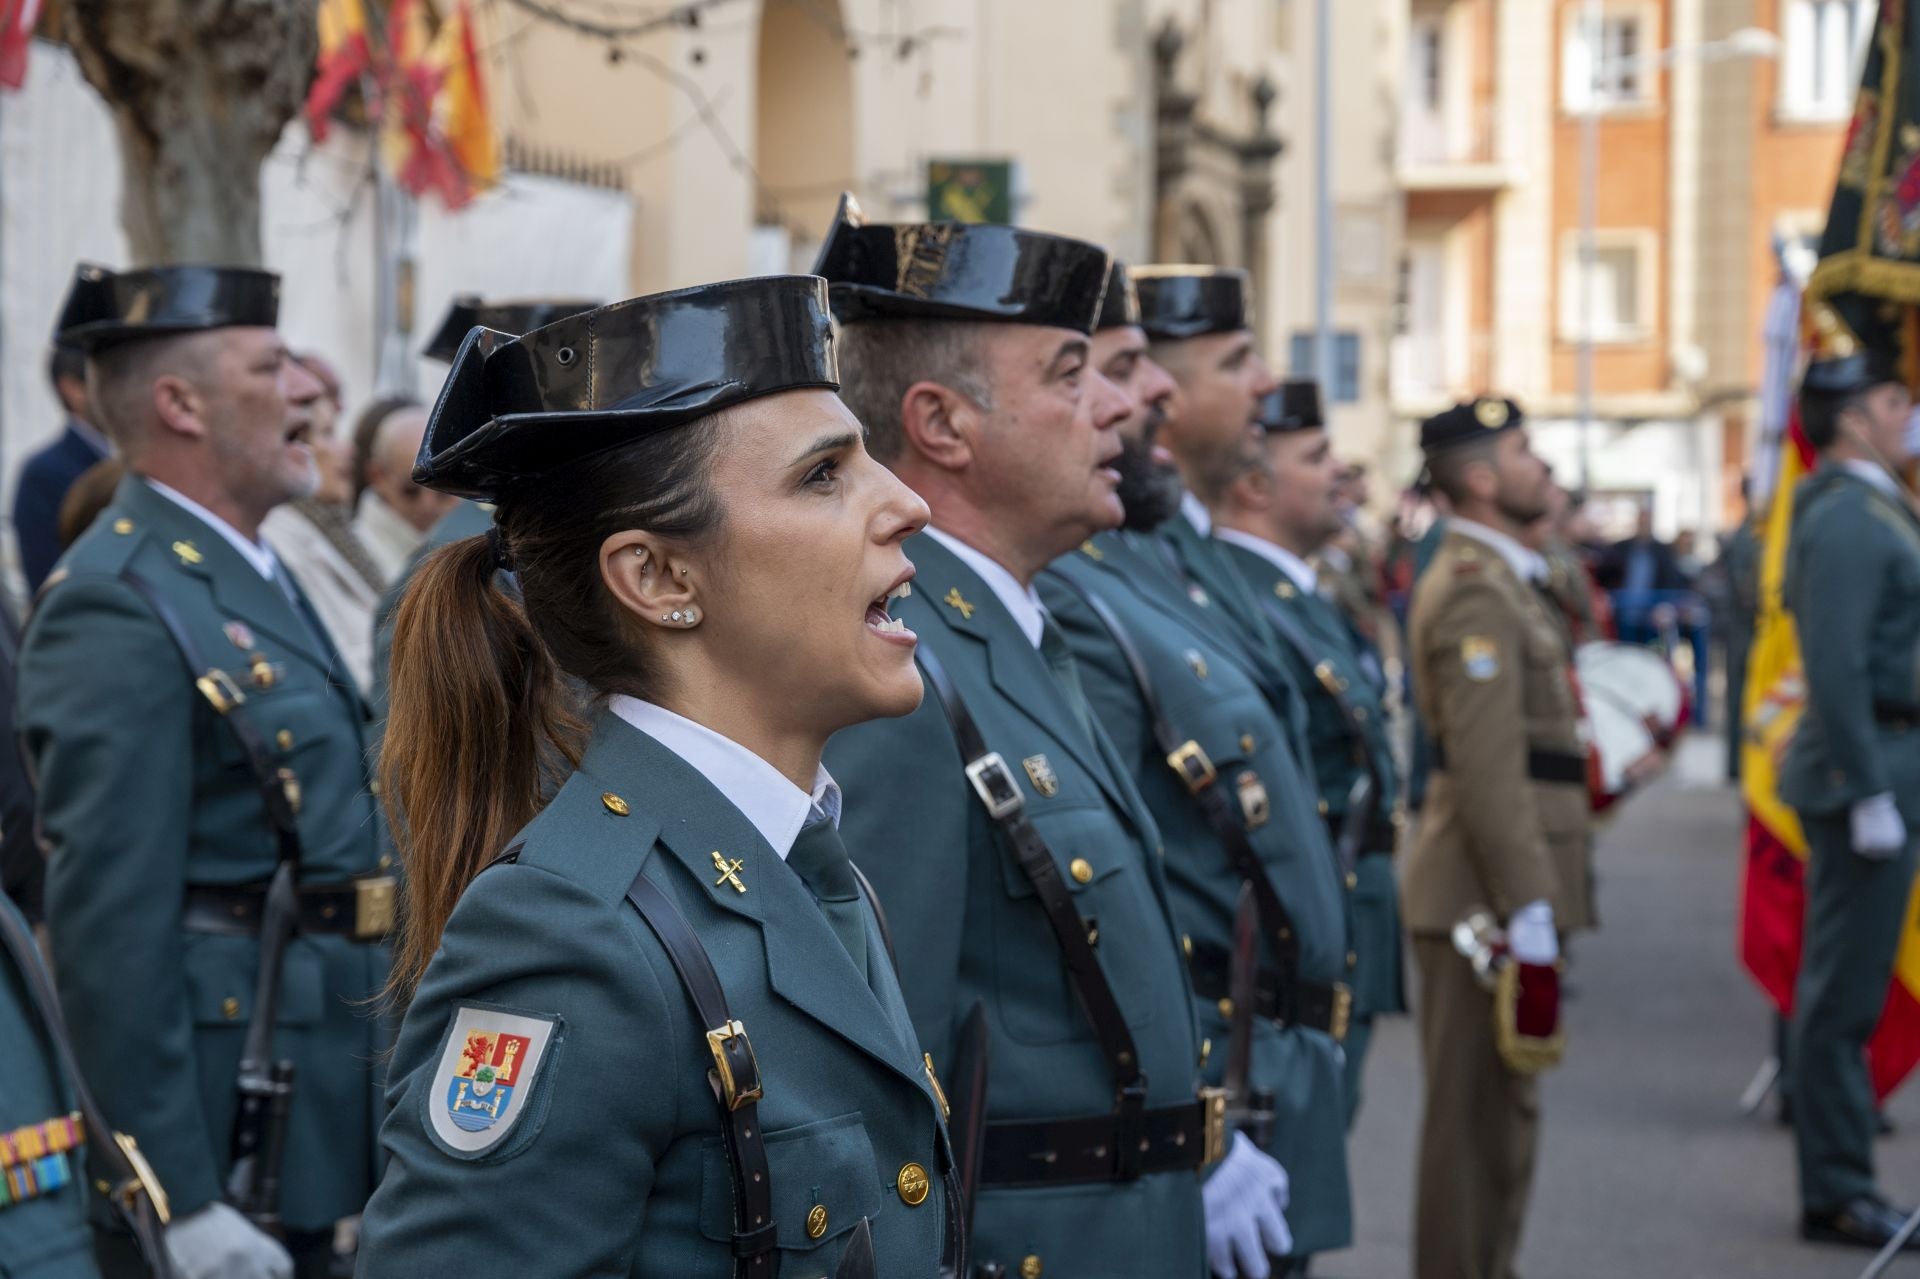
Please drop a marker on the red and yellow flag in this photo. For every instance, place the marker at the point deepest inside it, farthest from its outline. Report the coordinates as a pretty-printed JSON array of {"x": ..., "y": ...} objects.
[{"x": 345, "y": 56}]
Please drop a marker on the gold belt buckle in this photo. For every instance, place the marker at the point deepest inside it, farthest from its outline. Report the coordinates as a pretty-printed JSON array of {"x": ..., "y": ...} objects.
[
  {"x": 142, "y": 1181},
  {"x": 1342, "y": 1012},
  {"x": 1194, "y": 768},
  {"x": 373, "y": 900},
  {"x": 1213, "y": 1123}
]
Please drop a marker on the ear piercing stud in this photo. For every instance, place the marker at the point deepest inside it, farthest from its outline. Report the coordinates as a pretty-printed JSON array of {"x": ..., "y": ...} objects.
[{"x": 684, "y": 616}]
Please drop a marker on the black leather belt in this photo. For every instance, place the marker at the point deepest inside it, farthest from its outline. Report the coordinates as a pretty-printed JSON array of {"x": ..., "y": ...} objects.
[
  {"x": 1895, "y": 714},
  {"x": 1322, "y": 1006},
  {"x": 1542, "y": 766},
  {"x": 361, "y": 909},
  {"x": 1087, "y": 1150},
  {"x": 1380, "y": 836}
]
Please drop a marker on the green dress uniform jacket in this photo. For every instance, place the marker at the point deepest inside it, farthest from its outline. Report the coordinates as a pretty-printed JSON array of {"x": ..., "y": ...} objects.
[
  {"x": 1853, "y": 586},
  {"x": 144, "y": 791},
  {"x": 43, "y": 1233},
  {"x": 1378, "y": 979},
  {"x": 468, "y": 519},
  {"x": 971, "y": 932},
  {"x": 616, "y": 1166},
  {"x": 1208, "y": 691}
]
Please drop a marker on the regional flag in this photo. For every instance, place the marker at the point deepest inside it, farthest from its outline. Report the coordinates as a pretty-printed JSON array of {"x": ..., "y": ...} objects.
[{"x": 344, "y": 58}]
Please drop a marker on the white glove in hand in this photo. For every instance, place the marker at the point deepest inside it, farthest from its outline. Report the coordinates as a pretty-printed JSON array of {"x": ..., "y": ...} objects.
[
  {"x": 218, "y": 1243},
  {"x": 1246, "y": 1202},
  {"x": 1530, "y": 935},
  {"x": 1878, "y": 832}
]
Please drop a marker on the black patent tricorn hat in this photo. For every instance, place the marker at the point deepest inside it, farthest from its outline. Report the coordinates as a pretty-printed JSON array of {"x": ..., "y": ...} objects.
[
  {"x": 1294, "y": 405},
  {"x": 467, "y": 311},
  {"x": 1468, "y": 421},
  {"x": 1121, "y": 305},
  {"x": 1179, "y": 302},
  {"x": 959, "y": 271},
  {"x": 517, "y": 408},
  {"x": 104, "y": 307}
]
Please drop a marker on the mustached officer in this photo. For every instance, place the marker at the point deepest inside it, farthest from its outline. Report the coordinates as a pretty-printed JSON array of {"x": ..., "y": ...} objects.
[
  {"x": 1183, "y": 705},
  {"x": 1852, "y": 771},
  {"x": 197, "y": 739},
  {"x": 468, "y": 519},
  {"x": 1506, "y": 812},
  {"x": 1028, "y": 883},
  {"x": 654, "y": 1028},
  {"x": 1273, "y": 519}
]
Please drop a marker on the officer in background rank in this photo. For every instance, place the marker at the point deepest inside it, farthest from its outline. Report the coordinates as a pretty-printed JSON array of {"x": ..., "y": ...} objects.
[
  {"x": 193, "y": 729},
  {"x": 1506, "y": 811},
  {"x": 700, "y": 539},
  {"x": 1852, "y": 771},
  {"x": 467, "y": 519},
  {"x": 1205, "y": 750},
  {"x": 1025, "y": 875},
  {"x": 1272, "y": 520}
]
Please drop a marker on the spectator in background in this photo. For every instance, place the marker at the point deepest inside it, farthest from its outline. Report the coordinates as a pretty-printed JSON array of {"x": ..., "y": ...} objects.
[
  {"x": 1639, "y": 570},
  {"x": 315, "y": 538},
  {"x": 47, "y": 474},
  {"x": 391, "y": 512},
  {"x": 87, "y": 497}
]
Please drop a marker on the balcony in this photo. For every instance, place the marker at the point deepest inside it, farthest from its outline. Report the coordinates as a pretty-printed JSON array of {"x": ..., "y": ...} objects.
[{"x": 1441, "y": 152}]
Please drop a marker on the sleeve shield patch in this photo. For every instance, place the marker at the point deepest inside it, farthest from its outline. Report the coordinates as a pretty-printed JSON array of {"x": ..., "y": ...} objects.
[
  {"x": 1480, "y": 658},
  {"x": 486, "y": 1076}
]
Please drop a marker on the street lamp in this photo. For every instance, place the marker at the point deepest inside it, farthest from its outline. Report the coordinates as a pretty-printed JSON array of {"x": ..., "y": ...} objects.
[{"x": 1743, "y": 44}]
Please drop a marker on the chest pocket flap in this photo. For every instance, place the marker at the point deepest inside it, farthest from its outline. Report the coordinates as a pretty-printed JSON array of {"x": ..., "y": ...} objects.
[{"x": 828, "y": 1165}]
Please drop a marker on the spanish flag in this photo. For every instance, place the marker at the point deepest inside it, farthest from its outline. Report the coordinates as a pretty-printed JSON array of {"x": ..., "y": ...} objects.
[
  {"x": 345, "y": 56},
  {"x": 461, "y": 110}
]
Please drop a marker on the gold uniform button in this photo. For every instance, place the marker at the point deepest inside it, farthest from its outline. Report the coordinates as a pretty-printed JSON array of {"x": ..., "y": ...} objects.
[
  {"x": 1206, "y": 1051},
  {"x": 230, "y": 1008},
  {"x": 912, "y": 1184},
  {"x": 1030, "y": 1268},
  {"x": 1323, "y": 808},
  {"x": 1353, "y": 881},
  {"x": 1186, "y": 945},
  {"x": 373, "y": 787},
  {"x": 386, "y": 861},
  {"x": 1353, "y": 960},
  {"x": 817, "y": 1221},
  {"x": 1226, "y": 1008},
  {"x": 615, "y": 805},
  {"x": 1246, "y": 742},
  {"x": 284, "y": 739},
  {"x": 1081, "y": 869},
  {"x": 123, "y": 526}
]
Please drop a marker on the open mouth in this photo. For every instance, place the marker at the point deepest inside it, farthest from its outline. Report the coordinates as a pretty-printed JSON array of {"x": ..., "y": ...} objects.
[
  {"x": 300, "y": 433},
  {"x": 877, "y": 615}
]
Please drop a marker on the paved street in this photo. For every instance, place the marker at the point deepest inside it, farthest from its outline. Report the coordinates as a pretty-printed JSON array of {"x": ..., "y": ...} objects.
[{"x": 1647, "y": 1167}]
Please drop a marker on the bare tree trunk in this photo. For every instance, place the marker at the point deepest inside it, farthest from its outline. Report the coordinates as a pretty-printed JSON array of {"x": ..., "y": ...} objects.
[{"x": 199, "y": 90}]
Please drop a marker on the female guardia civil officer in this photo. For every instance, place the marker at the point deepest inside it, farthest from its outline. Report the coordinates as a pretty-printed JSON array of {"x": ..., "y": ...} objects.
[{"x": 656, "y": 1031}]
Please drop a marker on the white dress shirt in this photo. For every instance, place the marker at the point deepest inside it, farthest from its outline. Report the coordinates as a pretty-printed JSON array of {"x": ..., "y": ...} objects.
[
  {"x": 1029, "y": 614},
  {"x": 777, "y": 808},
  {"x": 1197, "y": 514},
  {"x": 1528, "y": 565},
  {"x": 1304, "y": 575},
  {"x": 1874, "y": 474},
  {"x": 258, "y": 554}
]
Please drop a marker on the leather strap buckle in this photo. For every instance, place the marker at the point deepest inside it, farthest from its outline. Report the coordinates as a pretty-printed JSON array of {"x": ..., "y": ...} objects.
[
  {"x": 733, "y": 1057},
  {"x": 373, "y": 899},
  {"x": 1342, "y": 1012},
  {"x": 142, "y": 1182},
  {"x": 1193, "y": 766},
  {"x": 220, "y": 691},
  {"x": 290, "y": 787},
  {"x": 1213, "y": 1125},
  {"x": 993, "y": 783}
]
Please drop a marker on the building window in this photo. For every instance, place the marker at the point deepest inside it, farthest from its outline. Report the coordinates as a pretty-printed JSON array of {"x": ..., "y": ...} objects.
[
  {"x": 1427, "y": 62},
  {"x": 1346, "y": 365},
  {"x": 1622, "y": 287},
  {"x": 1612, "y": 70},
  {"x": 1823, "y": 45}
]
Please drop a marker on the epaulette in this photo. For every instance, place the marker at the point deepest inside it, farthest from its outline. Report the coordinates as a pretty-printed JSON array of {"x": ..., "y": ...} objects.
[
  {"x": 509, "y": 858},
  {"x": 1466, "y": 561}
]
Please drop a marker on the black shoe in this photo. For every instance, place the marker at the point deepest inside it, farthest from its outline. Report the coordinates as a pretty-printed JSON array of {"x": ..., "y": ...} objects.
[{"x": 1862, "y": 1223}]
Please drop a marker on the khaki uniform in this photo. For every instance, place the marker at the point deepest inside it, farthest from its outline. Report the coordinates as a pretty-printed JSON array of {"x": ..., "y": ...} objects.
[{"x": 1491, "y": 678}]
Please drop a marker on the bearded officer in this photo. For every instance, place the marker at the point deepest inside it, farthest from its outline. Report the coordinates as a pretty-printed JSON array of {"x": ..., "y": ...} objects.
[
  {"x": 193, "y": 729},
  {"x": 1852, "y": 772},
  {"x": 1232, "y": 802},
  {"x": 1506, "y": 815},
  {"x": 1272, "y": 520},
  {"x": 1034, "y": 890}
]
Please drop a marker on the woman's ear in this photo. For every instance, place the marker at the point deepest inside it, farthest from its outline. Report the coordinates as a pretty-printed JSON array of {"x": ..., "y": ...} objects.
[{"x": 648, "y": 582}]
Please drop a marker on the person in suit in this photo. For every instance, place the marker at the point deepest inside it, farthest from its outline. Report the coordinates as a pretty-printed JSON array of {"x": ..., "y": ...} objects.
[
  {"x": 1505, "y": 821},
  {"x": 192, "y": 728},
  {"x": 1641, "y": 570},
  {"x": 652, "y": 1024},
  {"x": 1188, "y": 719},
  {"x": 50, "y": 471},
  {"x": 1036, "y": 891},
  {"x": 1273, "y": 519},
  {"x": 1852, "y": 771}
]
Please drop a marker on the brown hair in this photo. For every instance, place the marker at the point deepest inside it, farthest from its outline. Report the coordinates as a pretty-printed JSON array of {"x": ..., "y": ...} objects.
[
  {"x": 483, "y": 722},
  {"x": 86, "y": 498},
  {"x": 366, "y": 429}
]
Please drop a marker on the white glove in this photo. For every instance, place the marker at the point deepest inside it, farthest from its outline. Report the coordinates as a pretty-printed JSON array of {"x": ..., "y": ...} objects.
[
  {"x": 1878, "y": 832},
  {"x": 1530, "y": 935},
  {"x": 218, "y": 1243},
  {"x": 1246, "y": 1202}
]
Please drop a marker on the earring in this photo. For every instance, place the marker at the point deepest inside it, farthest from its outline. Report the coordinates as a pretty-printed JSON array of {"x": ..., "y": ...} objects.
[
  {"x": 685, "y": 616},
  {"x": 683, "y": 572},
  {"x": 689, "y": 617}
]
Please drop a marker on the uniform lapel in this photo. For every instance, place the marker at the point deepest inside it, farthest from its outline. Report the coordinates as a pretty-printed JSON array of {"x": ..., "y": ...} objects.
[{"x": 806, "y": 964}]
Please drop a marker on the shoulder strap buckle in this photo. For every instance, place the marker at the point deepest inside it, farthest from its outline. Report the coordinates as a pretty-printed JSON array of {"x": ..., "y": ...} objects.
[
  {"x": 993, "y": 783},
  {"x": 220, "y": 691},
  {"x": 1192, "y": 766},
  {"x": 738, "y": 1070}
]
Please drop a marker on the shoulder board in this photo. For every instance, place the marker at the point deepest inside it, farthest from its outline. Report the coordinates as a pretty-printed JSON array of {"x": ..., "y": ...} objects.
[
  {"x": 1467, "y": 561},
  {"x": 508, "y": 858}
]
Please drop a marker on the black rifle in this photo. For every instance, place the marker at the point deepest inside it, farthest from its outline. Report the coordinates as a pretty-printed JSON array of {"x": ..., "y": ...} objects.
[
  {"x": 1248, "y": 1109},
  {"x": 857, "y": 1262},
  {"x": 264, "y": 1085},
  {"x": 1359, "y": 816},
  {"x": 967, "y": 1110}
]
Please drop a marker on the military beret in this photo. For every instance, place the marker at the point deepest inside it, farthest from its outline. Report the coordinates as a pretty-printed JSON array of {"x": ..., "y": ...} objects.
[
  {"x": 1121, "y": 305},
  {"x": 515, "y": 408},
  {"x": 959, "y": 271},
  {"x": 105, "y": 308},
  {"x": 1192, "y": 301},
  {"x": 1294, "y": 405},
  {"x": 1466, "y": 422},
  {"x": 1850, "y": 374},
  {"x": 523, "y": 316}
]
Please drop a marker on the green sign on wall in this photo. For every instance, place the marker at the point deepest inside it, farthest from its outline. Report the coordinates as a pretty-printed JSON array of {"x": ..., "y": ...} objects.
[{"x": 970, "y": 190}]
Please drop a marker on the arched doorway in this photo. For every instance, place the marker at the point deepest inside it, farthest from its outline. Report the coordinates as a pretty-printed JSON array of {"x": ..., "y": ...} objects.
[{"x": 803, "y": 128}]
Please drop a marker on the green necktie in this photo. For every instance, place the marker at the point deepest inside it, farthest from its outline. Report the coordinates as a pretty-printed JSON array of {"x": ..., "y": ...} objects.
[
  {"x": 821, "y": 861},
  {"x": 1059, "y": 659}
]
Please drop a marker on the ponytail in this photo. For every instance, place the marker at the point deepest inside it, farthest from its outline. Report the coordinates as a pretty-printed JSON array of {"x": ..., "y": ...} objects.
[{"x": 481, "y": 728}]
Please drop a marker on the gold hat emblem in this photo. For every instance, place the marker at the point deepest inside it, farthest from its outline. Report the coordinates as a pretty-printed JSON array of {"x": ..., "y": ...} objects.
[{"x": 1491, "y": 413}]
